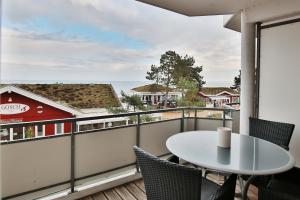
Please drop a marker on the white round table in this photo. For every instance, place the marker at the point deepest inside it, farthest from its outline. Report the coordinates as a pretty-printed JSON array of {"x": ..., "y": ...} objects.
[{"x": 246, "y": 156}]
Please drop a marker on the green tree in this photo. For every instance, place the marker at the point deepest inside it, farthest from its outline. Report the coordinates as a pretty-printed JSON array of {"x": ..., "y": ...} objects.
[
  {"x": 147, "y": 118},
  {"x": 168, "y": 62},
  {"x": 196, "y": 75},
  {"x": 185, "y": 69},
  {"x": 133, "y": 100},
  {"x": 116, "y": 110},
  {"x": 189, "y": 89},
  {"x": 154, "y": 74},
  {"x": 187, "y": 86},
  {"x": 237, "y": 81},
  {"x": 182, "y": 68},
  {"x": 173, "y": 67}
]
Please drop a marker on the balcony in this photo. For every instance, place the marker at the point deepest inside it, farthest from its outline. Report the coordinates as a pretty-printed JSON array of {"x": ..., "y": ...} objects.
[
  {"x": 136, "y": 191},
  {"x": 82, "y": 163},
  {"x": 88, "y": 163}
]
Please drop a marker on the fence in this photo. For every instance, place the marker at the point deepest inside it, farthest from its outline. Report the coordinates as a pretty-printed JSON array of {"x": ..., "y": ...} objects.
[{"x": 41, "y": 166}]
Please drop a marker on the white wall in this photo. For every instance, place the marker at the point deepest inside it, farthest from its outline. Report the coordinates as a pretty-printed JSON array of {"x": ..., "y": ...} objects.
[
  {"x": 273, "y": 10},
  {"x": 265, "y": 12},
  {"x": 279, "y": 81}
]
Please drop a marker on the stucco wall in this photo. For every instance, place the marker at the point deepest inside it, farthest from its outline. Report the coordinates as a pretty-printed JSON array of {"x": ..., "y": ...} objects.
[{"x": 279, "y": 81}]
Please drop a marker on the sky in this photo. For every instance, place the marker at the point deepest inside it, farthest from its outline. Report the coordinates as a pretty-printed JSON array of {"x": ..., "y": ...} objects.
[{"x": 108, "y": 40}]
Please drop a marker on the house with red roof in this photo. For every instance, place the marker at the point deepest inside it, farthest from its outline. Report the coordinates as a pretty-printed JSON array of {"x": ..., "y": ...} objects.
[
  {"x": 219, "y": 96},
  {"x": 40, "y": 102}
]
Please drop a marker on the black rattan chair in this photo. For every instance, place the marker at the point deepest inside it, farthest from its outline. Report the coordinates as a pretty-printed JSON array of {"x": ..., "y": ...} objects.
[
  {"x": 173, "y": 159},
  {"x": 165, "y": 180},
  {"x": 284, "y": 186},
  {"x": 276, "y": 132},
  {"x": 227, "y": 190}
]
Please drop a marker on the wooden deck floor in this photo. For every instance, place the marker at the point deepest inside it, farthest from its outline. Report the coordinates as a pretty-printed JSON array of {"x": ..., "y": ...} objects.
[{"x": 136, "y": 191}]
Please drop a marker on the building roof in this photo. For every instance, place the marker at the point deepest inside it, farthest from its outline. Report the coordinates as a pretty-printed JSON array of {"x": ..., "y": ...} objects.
[
  {"x": 152, "y": 88},
  {"x": 218, "y": 90},
  {"x": 80, "y": 96}
]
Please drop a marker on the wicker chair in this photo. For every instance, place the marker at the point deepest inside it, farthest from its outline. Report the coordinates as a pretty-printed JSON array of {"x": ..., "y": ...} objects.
[
  {"x": 275, "y": 132},
  {"x": 165, "y": 180},
  {"x": 173, "y": 159},
  {"x": 284, "y": 186}
]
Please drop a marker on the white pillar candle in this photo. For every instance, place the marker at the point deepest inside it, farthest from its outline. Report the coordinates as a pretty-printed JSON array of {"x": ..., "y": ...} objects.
[{"x": 224, "y": 137}]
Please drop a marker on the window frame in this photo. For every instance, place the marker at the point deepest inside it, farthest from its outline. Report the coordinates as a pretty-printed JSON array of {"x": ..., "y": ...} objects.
[
  {"x": 62, "y": 129},
  {"x": 43, "y": 131}
]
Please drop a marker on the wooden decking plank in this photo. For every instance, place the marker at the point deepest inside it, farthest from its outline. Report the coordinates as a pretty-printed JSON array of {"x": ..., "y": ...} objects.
[
  {"x": 136, "y": 191},
  {"x": 99, "y": 196},
  {"x": 140, "y": 184},
  {"x": 124, "y": 193},
  {"x": 87, "y": 198},
  {"x": 216, "y": 178},
  {"x": 112, "y": 195}
]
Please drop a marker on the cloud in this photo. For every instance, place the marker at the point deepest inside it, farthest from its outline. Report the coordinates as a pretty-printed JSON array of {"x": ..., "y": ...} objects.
[
  {"x": 39, "y": 56},
  {"x": 25, "y": 44}
]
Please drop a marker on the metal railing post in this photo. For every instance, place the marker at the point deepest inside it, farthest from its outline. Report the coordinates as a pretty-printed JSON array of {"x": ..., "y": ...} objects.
[
  {"x": 138, "y": 134},
  {"x": 72, "y": 180},
  {"x": 224, "y": 118},
  {"x": 195, "y": 120},
  {"x": 182, "y": 121}
]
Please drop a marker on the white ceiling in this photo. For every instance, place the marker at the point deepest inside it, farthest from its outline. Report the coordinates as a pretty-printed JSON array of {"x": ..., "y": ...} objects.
[{"x": 205, "y": 7}]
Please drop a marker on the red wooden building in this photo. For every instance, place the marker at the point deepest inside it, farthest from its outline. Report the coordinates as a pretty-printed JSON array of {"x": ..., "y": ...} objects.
[
  {"x": 18, "y": 105},
  {"x": 39, "y": 102}
]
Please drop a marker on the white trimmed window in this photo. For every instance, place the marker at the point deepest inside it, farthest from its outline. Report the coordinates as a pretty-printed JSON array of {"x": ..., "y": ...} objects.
[
  {"x": 59, "y": 128},
  {"x": 4, "y": 134},
  {"x": 40, "y": 130},
  {"x": 17, "y": 133}
]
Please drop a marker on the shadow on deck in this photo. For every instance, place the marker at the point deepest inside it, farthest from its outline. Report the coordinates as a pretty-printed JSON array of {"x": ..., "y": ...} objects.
[{"x": 136, "y": 191}]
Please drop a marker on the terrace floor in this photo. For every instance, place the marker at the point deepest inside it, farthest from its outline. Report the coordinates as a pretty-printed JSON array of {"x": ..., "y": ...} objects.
[{"x": 136, "y": 191}]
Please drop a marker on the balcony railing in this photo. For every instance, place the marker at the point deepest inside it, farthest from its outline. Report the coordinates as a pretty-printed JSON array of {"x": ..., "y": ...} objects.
[{"x": 37, "y": 167}]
